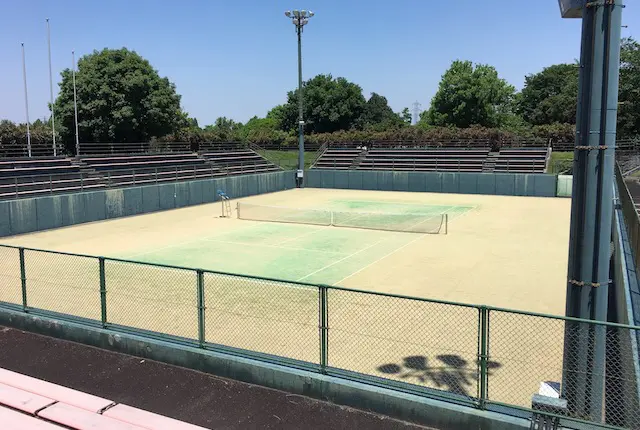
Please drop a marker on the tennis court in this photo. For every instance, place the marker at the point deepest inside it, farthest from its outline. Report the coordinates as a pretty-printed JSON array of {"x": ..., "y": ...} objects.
[{"x": 501, "y": 251}]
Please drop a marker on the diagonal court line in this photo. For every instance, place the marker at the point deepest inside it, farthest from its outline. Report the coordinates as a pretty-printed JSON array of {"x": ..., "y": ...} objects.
[
  {"x": 342, "y": 259},
  {"x": 274, "y": 246},
  {"x": 186, "y": 242},
  {"x": 309, "y": 233},
  {"x": 381, "y": 258}
]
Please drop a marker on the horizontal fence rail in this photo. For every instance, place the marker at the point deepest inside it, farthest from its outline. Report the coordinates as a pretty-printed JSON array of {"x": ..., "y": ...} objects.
[{"x": 479, "y": 356}]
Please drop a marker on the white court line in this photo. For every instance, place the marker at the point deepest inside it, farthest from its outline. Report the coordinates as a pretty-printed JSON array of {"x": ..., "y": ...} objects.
[
  {"x": 274, "y": 246},
  {"x": 309, "y": 233},
  {"x": 186, "y": 242},
  {"x": 381, "y": 258},
  {"x": 342, "y": 259}
]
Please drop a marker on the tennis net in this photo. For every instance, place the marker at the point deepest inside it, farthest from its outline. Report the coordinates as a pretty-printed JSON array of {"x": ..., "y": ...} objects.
[{"x": 405, "y": 222}]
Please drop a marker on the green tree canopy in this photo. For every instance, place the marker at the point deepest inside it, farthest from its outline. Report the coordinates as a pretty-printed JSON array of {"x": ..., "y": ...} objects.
[
  {"x": 121, "y": 98},
  {"x": 629, "y": 93},
  {"x": 550, "y": 96},
  {"x": 329, "y": 105},
  {"x": 469, "y": 95},
  {"x": 377, "y": 114}
]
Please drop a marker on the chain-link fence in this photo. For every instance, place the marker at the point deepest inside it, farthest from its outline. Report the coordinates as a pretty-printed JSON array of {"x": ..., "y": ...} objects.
[{"x": 480, "y": 356}]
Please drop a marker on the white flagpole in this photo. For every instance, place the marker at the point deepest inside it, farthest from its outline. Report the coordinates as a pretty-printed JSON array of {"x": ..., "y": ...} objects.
[
  {"x": 26, "y": 100},
  {"x": 75, "y": 100},
  {"x": 53, "y": 119}
]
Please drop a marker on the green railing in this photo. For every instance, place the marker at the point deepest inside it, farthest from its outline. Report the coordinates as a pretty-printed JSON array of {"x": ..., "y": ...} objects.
[{"x": 480, "y": 356}]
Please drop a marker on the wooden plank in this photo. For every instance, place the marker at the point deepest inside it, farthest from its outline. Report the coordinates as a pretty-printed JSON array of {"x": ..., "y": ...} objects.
[
  {"x": 147, "y": 420},
  {"x": 81, "y": 419},
  {"x": 23, "y": 400},
  {"x": 12, "y": 420}
]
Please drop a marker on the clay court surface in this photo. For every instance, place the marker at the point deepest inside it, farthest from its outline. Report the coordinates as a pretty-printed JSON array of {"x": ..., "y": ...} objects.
[{"x": 501, "y": 251}]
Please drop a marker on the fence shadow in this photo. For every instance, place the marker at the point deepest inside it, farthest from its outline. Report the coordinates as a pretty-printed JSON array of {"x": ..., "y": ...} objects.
[{"x": 449, "y": 372}]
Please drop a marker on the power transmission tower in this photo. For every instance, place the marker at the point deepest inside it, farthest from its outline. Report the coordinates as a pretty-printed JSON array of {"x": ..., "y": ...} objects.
[{"x": 416, "y": 113}]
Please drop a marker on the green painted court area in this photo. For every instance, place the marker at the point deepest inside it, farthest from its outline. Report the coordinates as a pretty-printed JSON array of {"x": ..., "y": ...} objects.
[{"x": 319, "y": 245}]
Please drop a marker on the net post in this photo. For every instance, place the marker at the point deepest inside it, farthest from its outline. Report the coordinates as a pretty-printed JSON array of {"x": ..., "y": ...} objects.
[
  {"x": 323, "y": 327},
  {"x": 446, "y": 223},
  {"x": 201, "y": 308},
  {"x": 331, "y": 220},
  {"x": 238, "y": 210},
  {"x": 23, "y": 279},
  {"x": 103, "y": 292}
]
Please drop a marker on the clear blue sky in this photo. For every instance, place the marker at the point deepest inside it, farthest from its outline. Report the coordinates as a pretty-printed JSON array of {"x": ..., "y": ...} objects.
[{"x": 238, "y": 58}]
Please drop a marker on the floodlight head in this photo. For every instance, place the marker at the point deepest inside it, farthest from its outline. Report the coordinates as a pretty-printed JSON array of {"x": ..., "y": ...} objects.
[
  {"x": 304, "y": 21},
  {"x": 572, "y": 8},
  {"x": 303, "y": 13},
  {"x": 296, "y": 13},
  {"x": 288, "y": 14},
  {"x": 311, "y": 14}
]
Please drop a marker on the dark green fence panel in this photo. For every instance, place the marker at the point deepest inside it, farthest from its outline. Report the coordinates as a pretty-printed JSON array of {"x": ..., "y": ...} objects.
[
  {"x": 313, "y": 178},
  {"x": 195, "y": 192},
  {"x": 132, "y": 201},
  {"x": 545, "y": 185},
  {"x": 252, "y": 185},
  {"x": 487, "y": 184},
  {"x": 166, "y": 196},
  {"x": 520, "y": 185},
  {"x": 23, "y": 216},
  {"x": 5, "y": 223},
  {"x": 48, "y": 213},
  {"x": 400, "y": 181},
  {"x": 114, "y": 203},
  {"x": 369, "y": 180},
  {"x": 505, "y": 184},
  {"x": 468, "y": 183},
  {"x": 385, "y": 180},
  {"x": 327, "y": 181},
  {"x": 150, "y": 199},
  {"x": 417, "y": 182},
  {"x": 181, "y": 193},
  {"x": 355, "y": 179},
  {"x": 433, "y": 182},
  {"x": 73, "y": 208},
  {"x": 96, "y": 206},
  {"x": 450, "y": 183},
  {"x": 210, "y": 189},
  {"x": 341, "y": 179}
]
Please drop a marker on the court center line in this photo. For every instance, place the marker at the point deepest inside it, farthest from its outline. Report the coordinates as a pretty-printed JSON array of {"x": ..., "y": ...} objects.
[
  {"x": 186, "y": 242},
  {"x": 274, "y": 246},
  {"x": 381, "y": 258},
  {"x": 342, "y": 259},
  {"x": 309, "y": 233}
]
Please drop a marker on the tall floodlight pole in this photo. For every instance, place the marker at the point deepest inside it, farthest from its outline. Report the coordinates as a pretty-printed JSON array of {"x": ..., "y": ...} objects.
[
  {"x": 26, "y": 100},
  {"x": 300, "y": 18},
  {"x": 53, "y": 119},
  {"x": 75, "y": 100},
  {"x": 585, "y": 345}
]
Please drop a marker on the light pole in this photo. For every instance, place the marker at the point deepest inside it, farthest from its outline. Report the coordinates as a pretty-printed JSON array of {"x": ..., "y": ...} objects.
[
  {"x": 300, "y": 18},
  {"x": 53, "y": 117},
  {"x": 26, "y": 100},
  {"x": 75, "y": 100}
]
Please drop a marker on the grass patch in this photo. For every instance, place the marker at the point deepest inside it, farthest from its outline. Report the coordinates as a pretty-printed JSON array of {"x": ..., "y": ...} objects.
[
  {"x": 561, "y": 162},
  {"x": 288, "y": 160}
]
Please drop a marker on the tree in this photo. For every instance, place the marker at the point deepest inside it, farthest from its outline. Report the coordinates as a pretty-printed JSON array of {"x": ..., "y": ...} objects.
[
  {"x": 469, "y": 95},
  {"x": 329, "y": 105},
  {"x": 405, "y": 116},
  {"x": 377, "y": 115},
  {"x": 121, "y": 98},
  {"x": 629, "y": 92},
  {"x": 550, "y": 96}
]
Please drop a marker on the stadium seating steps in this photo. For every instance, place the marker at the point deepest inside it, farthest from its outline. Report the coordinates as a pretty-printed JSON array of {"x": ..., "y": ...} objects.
[
  {"x": 455, "y": 159},
  {"x": 28, "y": 177}
]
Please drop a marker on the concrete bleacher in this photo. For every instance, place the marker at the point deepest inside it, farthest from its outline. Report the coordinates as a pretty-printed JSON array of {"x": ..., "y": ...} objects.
[
  {"x": 28, "y": 403},
  {"x": 521, "y": 160},
  {"x": 434, "y": 159},
  {"x": 139, "y": 169},
  {"x": 28, "y": 177},
  {"x": 236, "y": 159},
  {"x": 338, "y": 158}
]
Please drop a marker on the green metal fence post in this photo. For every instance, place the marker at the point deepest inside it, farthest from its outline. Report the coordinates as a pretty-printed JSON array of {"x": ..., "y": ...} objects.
[
  {"x": 323, "y": 327},
  {"x": 103, "y": 292},
  {"x": 201, "y": 308},
  {"x": 23, "y": 279},
  {"x": 483, "y": 355}
]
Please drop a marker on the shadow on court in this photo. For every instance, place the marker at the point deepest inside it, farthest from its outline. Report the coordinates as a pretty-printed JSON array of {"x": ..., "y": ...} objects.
[{"x": 447, "y": 372}]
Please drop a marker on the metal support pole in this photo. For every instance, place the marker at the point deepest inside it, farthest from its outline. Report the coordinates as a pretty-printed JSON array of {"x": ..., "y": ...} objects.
[
  {"x": 75, "y": 101},
  {"x": 26, "y": 100},
  {"x": 201, "y": 308},
  {"x": 592, "y": 209},
  {"x": 103, "y": 292},
  {"x": 23, "y": 279},
  {"x": 300, "y": 175},
  {"x": 323, "y": 327},
  {"x": 483, "y": 356},
  {"x": 53, "y": 118}
]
